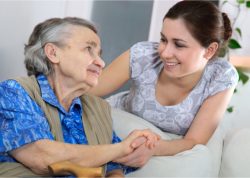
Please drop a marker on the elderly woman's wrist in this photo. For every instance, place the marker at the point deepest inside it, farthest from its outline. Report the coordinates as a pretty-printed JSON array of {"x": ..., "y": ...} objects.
[{"x": 123, "y": 148}]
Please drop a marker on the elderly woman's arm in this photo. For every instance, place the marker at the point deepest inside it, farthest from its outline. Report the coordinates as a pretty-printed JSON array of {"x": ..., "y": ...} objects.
[{"x": 38, "y": 155}]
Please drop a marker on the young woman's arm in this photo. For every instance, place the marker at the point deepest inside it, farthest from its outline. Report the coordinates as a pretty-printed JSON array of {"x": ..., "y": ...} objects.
[
  {"x": 201, "y": 130},
  {"x": 113, "y": 76}
]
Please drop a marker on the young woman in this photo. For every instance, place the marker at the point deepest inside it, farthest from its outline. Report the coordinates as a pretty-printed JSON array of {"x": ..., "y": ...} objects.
[{"x": 179, "y": 84}]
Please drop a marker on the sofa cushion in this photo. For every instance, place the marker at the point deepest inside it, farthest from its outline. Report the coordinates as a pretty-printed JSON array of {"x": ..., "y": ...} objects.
[
  {"x": 196, "y": 162},
  {"x": 236, "y": 154}
]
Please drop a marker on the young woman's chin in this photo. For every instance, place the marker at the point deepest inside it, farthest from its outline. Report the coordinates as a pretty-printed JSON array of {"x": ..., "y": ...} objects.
[{"x": 171, "y": 74}]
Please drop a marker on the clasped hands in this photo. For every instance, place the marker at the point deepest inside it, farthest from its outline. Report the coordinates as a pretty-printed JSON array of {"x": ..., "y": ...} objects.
[{"x": 142, "y": 147}]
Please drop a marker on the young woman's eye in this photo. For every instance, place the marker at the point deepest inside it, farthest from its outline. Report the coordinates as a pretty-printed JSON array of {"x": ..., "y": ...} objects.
[
  {"x": 163, "y": 40},
  {"x": 179, "y": 45}
]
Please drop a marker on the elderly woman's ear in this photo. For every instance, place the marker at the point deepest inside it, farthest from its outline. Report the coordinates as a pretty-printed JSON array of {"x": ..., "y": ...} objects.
[{"x": 51, "y": 53}]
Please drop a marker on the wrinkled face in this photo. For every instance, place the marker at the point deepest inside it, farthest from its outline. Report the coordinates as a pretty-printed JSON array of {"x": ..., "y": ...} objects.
[
  {"x": 80, "y": 59},
  {"x": 181, "y": 54}
]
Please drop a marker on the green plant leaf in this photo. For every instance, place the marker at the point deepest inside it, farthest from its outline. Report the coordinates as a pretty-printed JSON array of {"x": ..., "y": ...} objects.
[
  {"x": 241, "y": 1},
  {"x": 248, "y": 4},
  {"x": 239, "y": 73},
  {"x": 235, "y": 90},
  {"x": 230, "y": 109},
  {"x": 244, "y": 78},
  {"x": 223, "y": 51},
  {"x": 239, "y": 31},
  {"x": 223, "y": 3},
  {"x": 233, "y": 44}
]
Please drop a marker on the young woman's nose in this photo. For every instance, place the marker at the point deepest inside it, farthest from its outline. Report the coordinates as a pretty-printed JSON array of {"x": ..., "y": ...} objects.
[{"x": 167, "y": 51}]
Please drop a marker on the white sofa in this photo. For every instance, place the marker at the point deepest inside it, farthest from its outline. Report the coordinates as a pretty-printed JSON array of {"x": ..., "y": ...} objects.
[{"x": 229, "y": 157}]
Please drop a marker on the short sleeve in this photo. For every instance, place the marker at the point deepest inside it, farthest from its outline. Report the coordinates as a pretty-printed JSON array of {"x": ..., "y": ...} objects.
[
  {"x": 21, "y": 119},
  {"x": 112, "y": 165},
  {"x": 142, "y": 56},
  {"x": 223, "y": 76}
]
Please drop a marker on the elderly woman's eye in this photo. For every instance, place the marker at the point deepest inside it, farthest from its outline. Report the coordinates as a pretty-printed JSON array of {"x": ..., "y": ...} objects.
[{"x": 88, "y": 48}]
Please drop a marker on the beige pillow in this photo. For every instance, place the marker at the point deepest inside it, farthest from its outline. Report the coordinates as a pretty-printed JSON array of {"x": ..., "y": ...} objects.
[
  {"x": 196, "y": 162},
  {"x": 236, "y": 153}
]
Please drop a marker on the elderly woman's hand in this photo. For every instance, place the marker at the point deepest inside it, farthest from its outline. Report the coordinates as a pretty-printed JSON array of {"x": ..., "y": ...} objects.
[
  {"x": 151, "y": 139},
  {"x": 138, "y": 158}
]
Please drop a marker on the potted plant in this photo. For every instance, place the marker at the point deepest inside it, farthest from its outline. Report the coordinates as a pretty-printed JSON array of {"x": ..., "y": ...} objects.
[{"x": 233, "y": 43}]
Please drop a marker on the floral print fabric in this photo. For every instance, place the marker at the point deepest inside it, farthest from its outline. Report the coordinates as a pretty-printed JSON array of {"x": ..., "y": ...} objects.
[
  {"x": 22, "y": 121},
  {"x": 145, "y": 66}
]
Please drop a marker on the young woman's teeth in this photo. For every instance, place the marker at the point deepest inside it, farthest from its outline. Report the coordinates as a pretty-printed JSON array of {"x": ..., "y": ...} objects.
[{"x": 172, "y": 64}]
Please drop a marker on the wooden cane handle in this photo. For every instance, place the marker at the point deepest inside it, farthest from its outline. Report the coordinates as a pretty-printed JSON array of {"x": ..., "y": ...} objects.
[{"x": 76, "y": 169}]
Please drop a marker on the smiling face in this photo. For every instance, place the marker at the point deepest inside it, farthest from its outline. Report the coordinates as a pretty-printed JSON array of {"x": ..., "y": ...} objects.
[
  {"x": 181, "y": 54},
  {"x": 80, "y": 60}
]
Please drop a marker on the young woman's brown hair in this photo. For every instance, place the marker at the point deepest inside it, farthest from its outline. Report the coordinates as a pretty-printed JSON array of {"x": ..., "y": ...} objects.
[{"x": 204, "y": 21}]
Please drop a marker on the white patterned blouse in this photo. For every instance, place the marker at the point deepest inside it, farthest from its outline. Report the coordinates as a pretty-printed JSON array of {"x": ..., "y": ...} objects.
[{"x": 145, "y": 66}]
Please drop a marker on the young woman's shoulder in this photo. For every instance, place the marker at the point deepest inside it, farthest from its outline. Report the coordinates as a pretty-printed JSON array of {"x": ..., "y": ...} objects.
[
  {"x": 143, "y": 55},
  {"x": 223, "y": 70},
  {"x": 146, "y": 45},
  {"x": 143, "y": 49},
  {"x": 220, "y": 75}
]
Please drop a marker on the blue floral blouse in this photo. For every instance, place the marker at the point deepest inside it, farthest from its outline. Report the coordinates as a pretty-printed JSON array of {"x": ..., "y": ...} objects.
[{"x": 22, "y": 121}]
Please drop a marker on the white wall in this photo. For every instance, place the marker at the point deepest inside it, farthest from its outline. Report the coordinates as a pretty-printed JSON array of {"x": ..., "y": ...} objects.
[
  {"x": 17, "y": 21},
  {"x": 160, "y": 9},
  {"x": 240, "y": 117}
]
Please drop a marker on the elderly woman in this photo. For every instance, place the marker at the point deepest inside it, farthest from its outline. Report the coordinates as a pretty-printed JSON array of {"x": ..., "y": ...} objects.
[{"x": 47, "y": 118}]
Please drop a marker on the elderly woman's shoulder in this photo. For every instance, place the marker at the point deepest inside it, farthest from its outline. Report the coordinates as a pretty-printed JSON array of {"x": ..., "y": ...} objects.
[
  {"x": 10, "y": 84},
  {"x": 14, "y": 98}
]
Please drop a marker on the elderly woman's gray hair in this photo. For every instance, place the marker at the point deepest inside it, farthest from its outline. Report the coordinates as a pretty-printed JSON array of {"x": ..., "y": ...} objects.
[{"x": 55, "y": 31}]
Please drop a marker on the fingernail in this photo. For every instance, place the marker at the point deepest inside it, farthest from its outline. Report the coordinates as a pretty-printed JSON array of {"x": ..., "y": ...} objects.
[{"x": 134, "y": 145}]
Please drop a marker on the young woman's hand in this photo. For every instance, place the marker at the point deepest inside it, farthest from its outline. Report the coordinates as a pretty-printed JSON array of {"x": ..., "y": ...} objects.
[
  {"x": 150, "y": 144},
  {"x": 151, "y": 139}
]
